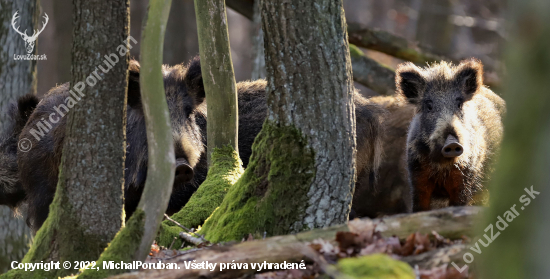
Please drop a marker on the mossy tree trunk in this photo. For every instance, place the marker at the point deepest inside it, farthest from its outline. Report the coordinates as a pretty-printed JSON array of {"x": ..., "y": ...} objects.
[
  {"x": 17, "y": 78},
  {"x": 310, "y": 89},
  {"x": 218, "y": 75},
  {"x": 522, "y": 249},
  {"x": 161, "y": 168},
  {"x": 87, "y": 210},
  {"x": 302, "y": 168},
  {"x": 225, "y": 167},
  {"x": 133, "y": 242}
]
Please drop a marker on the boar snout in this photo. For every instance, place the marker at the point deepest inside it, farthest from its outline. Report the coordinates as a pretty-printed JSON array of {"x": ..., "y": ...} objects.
[
  {"x": 184, "y": 172},
  {"x": 452, "y": 148}
]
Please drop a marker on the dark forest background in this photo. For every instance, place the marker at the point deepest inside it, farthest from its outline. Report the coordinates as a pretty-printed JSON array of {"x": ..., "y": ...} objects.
[{"x": 457, "y": 29}]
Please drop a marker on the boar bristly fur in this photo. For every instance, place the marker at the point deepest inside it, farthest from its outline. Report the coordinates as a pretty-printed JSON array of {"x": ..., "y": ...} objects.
[{"x": 454, "y": 135}]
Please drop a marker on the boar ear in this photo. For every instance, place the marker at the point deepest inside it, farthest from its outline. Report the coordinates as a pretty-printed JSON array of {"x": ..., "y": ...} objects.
[
  {"x": 469, "y": 76},
  {"x": 25, "y": 107},
  {"x": 409, "y": 82},
  {"x": 193, "y": 81},
  {"x": 134, "y": 94}
]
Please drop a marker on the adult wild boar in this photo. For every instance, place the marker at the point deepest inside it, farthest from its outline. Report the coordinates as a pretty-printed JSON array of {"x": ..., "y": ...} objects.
[
  {"x": 454, "y": 135},
  {"x": 39, "y": 167},
  {"x": 390, "y": 192},
  {"x": 185, "y": 95},
  {"x": 11, "y": 191}
]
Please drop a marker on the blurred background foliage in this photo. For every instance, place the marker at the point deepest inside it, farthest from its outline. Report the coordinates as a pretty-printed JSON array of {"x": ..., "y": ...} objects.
[{"x": 454, "y": 28}]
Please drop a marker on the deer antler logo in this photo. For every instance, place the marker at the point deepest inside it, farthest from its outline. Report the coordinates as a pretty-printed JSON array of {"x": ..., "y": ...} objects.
[{"x": 29, "y": 40}]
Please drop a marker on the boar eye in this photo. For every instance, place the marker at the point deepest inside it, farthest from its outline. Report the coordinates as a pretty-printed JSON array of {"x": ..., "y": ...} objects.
[{"x": 428, "y": 105}]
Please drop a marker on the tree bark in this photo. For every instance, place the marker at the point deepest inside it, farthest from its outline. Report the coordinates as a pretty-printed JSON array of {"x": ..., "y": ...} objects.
[
  {"x": 15, "y": 238},
  {"x": 180, "y": 41},
  {"x": 133, "y": 242},
  {"x": 161, "y": 168},
  {"x": 258, "y": 53},
  {"x": 435, "y": 30},
  {"x": 225, "y": 167},
  {"x": 451, "y": 222},
  {"x": 17, "y": 78},
  {"x": 87, "y": 210},
  {"x": 94, "y": 146},
  {"x": 302, "y": 168},
  {"x": 218, "y": 75},
  {"x": 310, "y": 89},
  {"x": 522, "y": 249}
]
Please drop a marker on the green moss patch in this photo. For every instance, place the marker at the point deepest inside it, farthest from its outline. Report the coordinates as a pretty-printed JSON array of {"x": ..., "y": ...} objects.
[
  {"x": 271, "y": 195},
  {"x": 376, "y": 266},
  {"x": 120, "y": 249},
  {"x": 355, "y": 52},
  {"x": 225, "y": 170},
  {"x": 72, "y": 243}
]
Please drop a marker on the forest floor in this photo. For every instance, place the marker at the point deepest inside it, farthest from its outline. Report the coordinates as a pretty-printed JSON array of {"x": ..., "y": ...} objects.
[{"x": 419, "y": 245}]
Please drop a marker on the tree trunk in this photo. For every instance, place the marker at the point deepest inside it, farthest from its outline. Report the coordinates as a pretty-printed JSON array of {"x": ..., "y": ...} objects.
[
  {"x": 87, "y": 210},
  {"x": 258, "y": 53},
  {"x": 434, "y": 27},
  {"x": 180, "y": 42},
  {"x": 162, "y": 162},
  {"x": 310, "y": 90},
  {"x": 522, "y": 249},
  {"x": 15, "y": 238},
  {"x": 17, "y": 78},
  {"x": 225, "y": 167},
  {"x": 94, "y": 146},
  {"x": 302, "y": 168},
  {"x": 218, "y": 75},
  {"x": 133, "y": 242}
]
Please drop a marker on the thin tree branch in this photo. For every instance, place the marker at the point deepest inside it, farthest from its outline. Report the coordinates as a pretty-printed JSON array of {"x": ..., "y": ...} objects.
[
  {"x": 201, "y": 237},
  {"x": 396, "y": 46},
  {"x": 370, "y": 73}
]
